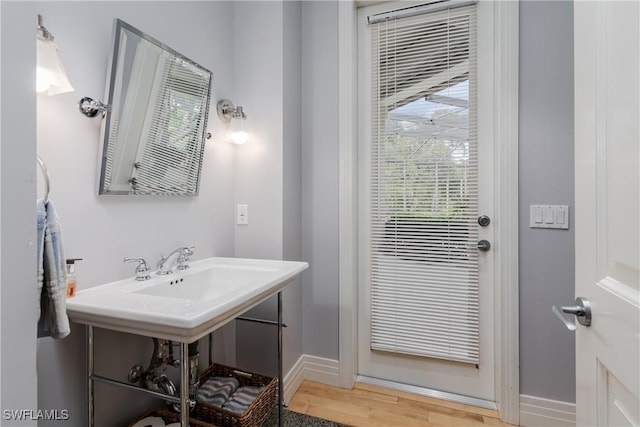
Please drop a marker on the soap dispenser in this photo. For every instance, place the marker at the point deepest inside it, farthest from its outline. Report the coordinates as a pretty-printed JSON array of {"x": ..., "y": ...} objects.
[{"x": 71, "y": 276}]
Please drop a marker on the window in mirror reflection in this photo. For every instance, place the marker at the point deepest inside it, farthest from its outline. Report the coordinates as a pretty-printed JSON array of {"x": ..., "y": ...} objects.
[{"x": 155, "y": 130}]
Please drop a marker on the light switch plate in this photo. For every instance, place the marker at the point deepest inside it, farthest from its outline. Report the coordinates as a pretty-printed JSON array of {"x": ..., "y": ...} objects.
[
  {"x": 549, "y": 216},
  {"x": 243, "y": 215}
]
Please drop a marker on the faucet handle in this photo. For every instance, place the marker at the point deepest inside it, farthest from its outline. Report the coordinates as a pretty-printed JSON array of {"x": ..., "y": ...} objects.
[
  {"x": 161, "y": 260},
  {"x": 183, "y": 259},
  {"x": 142, "y": 270}
]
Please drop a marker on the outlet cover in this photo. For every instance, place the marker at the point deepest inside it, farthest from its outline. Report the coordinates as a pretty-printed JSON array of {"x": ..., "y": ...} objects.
[{"x": 243, "y": 215}]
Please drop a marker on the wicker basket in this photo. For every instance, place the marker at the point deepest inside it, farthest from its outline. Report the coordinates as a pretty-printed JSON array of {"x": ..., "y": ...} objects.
[
  {"x": 255, "y": 414},
  {"x": 170, "y": 417}
]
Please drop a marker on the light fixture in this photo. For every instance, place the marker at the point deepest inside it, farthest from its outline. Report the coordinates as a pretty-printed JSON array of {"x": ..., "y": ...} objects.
[
  {"x": 51, "y": 78},
  {"x": 238, "y": 131}
]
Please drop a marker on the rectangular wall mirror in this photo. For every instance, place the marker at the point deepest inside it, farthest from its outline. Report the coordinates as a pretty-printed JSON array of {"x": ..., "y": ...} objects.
[{"x": 155, "y": 125}]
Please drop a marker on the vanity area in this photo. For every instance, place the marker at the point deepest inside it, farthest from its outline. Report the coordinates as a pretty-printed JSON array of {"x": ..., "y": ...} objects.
[
  {"x": 104, "y": 225},
  {"x": 183, "y": 306},
  {"x": 154, "y": 127},
  {"x": 153, "y": 132}
]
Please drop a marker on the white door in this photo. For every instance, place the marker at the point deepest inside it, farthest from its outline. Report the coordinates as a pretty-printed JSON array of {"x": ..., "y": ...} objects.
[
  {"x": 398, "y": 359},
  {"x": 607, "y": 116}
]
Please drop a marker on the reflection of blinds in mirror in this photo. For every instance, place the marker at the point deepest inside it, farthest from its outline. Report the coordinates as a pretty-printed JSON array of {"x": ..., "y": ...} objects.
[
  {"x": 170, "y": 155},
  {"x": 111, "y": 147},
  {"x": 424, "y": 187}
]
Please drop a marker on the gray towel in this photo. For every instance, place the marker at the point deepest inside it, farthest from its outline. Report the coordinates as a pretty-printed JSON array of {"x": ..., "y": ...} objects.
[
  {"x": 216, "y": 390},
  {"x": 52, "y": 274},
  {"x": 242, "y": 399}
]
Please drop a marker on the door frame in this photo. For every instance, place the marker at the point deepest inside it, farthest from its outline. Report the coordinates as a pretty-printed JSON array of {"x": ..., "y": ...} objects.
[{"x": 506, "y": 337}]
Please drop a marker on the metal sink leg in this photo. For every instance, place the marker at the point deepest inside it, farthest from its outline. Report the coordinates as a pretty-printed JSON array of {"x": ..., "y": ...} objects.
[
  {"x": 184, "y": 384},
  {"x": 90, "y": 421},
  {"x": 280, "y": 373}
]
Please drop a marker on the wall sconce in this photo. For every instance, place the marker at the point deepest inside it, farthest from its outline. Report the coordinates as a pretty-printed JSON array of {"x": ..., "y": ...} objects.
[
  {"x": 50, "y": 74},
  {"x": 238, "y": 131}
]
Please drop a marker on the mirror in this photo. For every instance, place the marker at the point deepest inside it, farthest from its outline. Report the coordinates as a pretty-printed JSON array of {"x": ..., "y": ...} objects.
[{"x": 155, "y": 125}]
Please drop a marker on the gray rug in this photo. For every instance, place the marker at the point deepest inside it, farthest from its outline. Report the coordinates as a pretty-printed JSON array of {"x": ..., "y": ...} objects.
[{"x": 294, "y": 419}]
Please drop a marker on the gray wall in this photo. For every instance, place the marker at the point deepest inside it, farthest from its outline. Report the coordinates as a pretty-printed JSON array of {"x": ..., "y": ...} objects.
[
  {"x": 546, "y": 177},
  {"x": 301, "y": 41},
  {"x": 268, "y": 174},
  {"x": 320, "y": 177},
  {"x": 259, "y": 66}
]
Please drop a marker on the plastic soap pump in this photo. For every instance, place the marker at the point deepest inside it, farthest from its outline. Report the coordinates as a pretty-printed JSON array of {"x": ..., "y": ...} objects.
[{"x": 71, "y": 276}]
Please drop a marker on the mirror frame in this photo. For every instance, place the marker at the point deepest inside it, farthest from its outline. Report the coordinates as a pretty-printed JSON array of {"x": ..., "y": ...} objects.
[{"x": 119, "y": 26}]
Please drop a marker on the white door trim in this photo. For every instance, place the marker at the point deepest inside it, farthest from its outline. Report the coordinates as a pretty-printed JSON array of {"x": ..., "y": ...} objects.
[
  {"x": 348, "y": 198},
  {"x": 506, "y": 32},
  {"x": 506, "y": 274}
]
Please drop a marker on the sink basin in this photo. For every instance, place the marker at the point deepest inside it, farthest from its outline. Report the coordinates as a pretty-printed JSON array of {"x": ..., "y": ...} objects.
[
  {"x": 206, "y": 283},
  {"x": 185, "y": 305}
]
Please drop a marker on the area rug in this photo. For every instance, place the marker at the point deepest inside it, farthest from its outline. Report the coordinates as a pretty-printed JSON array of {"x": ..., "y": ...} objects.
[{"x": 294, "y": 419}]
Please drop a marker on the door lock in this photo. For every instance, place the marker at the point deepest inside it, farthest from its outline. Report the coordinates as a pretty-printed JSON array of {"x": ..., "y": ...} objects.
[{"x": 484, "y": 220}]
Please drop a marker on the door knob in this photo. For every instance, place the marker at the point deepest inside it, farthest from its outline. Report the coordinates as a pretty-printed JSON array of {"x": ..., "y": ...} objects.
[
  {"x": 581, "y": 309},
  {"x": 484, "y": 245}
]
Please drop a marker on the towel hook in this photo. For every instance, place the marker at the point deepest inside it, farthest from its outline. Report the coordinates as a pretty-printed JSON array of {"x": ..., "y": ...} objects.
[{"x": 45, "y": 174}]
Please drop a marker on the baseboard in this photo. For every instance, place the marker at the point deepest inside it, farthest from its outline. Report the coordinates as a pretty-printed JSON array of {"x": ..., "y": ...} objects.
[
  {"x": 293, "y": 379},
  {"x": 310, "y": 368},
  {"x": 539, "y": 412},
  {"x": 321, "y": 370}
]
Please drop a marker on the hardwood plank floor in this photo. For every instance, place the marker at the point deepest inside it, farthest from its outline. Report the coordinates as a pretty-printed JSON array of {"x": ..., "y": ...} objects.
[{"x": 371, "y": 406}]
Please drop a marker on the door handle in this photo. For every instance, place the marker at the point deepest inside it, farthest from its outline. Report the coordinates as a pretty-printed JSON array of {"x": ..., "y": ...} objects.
[
  {"x": 484, "y": 245},
  {"x": 581, "y": 309}
]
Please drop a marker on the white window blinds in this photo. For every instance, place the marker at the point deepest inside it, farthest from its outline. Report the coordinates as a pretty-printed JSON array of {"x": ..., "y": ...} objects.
[
  {"x": 424, "y": 186},
  {"x": 170, "y": 157}
]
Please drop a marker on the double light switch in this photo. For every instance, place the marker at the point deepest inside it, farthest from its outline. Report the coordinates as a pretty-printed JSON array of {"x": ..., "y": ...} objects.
[{"x": 549, "y": 216}]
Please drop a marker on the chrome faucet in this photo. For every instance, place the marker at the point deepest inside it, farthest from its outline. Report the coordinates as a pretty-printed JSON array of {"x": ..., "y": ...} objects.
[{"x": 179, "y": 258}]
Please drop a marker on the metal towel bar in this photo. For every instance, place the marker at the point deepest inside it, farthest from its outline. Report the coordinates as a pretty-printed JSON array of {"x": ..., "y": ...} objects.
[{"x": 45, "y": 175}]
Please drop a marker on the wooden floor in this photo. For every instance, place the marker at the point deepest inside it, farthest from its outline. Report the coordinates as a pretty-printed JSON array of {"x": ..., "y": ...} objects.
[{"x": 370, "y": 406}]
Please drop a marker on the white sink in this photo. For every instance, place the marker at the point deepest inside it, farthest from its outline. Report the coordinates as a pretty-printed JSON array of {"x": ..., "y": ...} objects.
[{"x": 185, "y": 305}]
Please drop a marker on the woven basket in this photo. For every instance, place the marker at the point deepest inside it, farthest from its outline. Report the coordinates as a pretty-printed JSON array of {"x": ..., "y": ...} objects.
[
  {"x": 255, "y": 414},
  {"x": 170, "y": 417}
]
